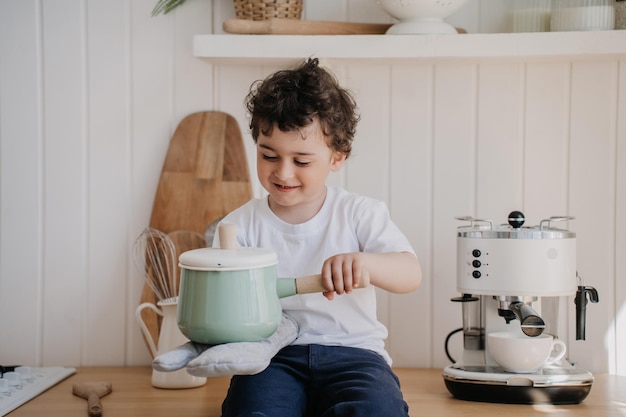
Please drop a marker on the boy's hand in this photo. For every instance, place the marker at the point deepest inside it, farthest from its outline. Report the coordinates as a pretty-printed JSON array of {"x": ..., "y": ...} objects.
[{"x": 342, "y": 273}]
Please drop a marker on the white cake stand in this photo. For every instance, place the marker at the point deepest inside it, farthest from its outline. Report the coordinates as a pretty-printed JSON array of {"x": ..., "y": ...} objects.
[{"x": 421, "y": 17}]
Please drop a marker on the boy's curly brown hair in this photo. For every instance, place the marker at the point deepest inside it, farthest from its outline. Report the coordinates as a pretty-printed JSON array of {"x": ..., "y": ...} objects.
[{"x": 292, "y": 99}]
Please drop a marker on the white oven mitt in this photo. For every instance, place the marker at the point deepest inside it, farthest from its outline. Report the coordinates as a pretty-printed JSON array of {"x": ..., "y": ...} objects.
[{"x": 237, "y": 358}]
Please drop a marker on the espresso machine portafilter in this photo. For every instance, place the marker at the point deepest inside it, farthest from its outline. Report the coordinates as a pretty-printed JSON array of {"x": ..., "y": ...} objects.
[{"x": 512, "y": 279}]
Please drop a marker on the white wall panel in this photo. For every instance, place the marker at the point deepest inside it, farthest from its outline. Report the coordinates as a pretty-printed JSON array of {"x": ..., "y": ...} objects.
[
  {"x": 192, "y": 81},
  {"x": 368, "y": 166},
  {"x": 499, "y": 154},
  {"x": 339, "y": 179},
  {"x": 492, "y": 17},
  {"x": 619, "y": 322},
  {"x": 592, "y": 197},
  {"x": 544, "y": 129},
  {"x": 365, "y": 11},
  {"x": 65, "y": 129},
  {"x": 410, "y": 187},
  {"x": 367, "y": 169},
  {"x": 221, "y": 10},
  {"x": 322, "y": 9},
  {"x": 467, "y": 17},
  {"x": 153, "y": 121},
  {"x": 107, "y": 172},
  {"x": 454, "y": 189},
  {"x": 21, "y": 182}
]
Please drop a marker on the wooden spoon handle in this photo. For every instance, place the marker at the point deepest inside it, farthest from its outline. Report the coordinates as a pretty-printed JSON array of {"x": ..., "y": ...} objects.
[{"x": 94, "y": 406}]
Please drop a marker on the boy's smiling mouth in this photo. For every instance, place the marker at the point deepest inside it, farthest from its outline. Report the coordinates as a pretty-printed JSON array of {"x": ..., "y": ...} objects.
[{"x": 281, "y": 187}]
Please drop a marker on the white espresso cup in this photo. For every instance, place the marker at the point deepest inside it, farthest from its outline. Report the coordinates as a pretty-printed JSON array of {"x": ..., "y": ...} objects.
[{"x": 516, "y": 352}]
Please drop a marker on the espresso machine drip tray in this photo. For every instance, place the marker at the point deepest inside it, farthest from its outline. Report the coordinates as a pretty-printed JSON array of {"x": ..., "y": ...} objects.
[{"x": 550, "y": 385}]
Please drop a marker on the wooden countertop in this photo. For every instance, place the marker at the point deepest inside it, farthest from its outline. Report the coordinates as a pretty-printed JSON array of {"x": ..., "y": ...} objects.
[{"x": 424, "y": 390}]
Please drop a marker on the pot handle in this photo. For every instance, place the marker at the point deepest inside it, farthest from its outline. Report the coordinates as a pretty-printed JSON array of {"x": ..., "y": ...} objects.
[{"x": 313, "y": 283}]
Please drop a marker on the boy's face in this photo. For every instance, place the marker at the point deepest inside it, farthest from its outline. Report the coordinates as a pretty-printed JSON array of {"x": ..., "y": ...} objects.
[{"x": 293, "y": 167}]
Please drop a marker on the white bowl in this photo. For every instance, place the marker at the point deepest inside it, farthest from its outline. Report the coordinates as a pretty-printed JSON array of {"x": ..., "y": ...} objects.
[{"x": 420, "y": 16}]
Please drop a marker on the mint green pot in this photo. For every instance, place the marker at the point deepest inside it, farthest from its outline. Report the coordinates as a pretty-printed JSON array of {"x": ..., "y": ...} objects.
[{"x": 230, "y": 295}]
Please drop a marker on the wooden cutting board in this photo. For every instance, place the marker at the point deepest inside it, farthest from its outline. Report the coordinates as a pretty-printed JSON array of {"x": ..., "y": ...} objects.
[
  {"x": 205, "y": 176},
  {"x": 279, "y": 26}
]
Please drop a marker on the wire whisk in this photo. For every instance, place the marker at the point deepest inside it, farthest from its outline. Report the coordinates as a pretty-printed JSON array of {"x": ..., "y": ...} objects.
[{"x": 154, "y": 253}]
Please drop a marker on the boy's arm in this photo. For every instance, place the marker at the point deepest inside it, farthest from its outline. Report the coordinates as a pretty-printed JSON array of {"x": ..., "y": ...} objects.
[{"x": 397, "y": 272}]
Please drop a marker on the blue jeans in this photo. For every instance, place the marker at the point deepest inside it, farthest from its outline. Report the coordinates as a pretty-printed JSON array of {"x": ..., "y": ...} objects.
[{"x": 319, "y": 381}]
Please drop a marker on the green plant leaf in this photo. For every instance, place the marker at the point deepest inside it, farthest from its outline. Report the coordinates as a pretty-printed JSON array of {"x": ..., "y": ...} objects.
[{"x": 166, "y": 6}]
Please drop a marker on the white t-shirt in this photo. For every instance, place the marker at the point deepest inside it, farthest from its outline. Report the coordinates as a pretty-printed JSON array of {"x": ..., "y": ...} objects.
[{"x": 347, "y": 222}]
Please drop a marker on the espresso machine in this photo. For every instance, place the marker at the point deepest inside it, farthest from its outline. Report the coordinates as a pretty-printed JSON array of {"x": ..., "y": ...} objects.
[{"x": 514, "y": 278}]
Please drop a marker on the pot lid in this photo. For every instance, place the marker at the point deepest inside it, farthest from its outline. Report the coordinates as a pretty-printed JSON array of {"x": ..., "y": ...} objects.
[{"x": 213, "y": 259}]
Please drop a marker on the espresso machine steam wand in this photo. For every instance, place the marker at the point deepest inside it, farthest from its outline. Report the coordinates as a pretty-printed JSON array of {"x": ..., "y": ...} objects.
[{"x": 581, "y": 306}]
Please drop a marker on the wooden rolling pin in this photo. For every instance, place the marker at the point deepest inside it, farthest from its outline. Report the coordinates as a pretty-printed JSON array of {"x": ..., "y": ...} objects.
[{"x": 302, "y": 27}]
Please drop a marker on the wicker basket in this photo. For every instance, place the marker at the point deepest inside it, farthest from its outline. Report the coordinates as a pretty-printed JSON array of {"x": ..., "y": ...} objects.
[{"x": 268, "y": 9}]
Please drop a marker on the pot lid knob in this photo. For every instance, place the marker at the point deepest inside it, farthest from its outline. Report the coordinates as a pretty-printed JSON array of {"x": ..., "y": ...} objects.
[
  {"x": 228, "y": 236},
  {"x": 516, "y": 219}
]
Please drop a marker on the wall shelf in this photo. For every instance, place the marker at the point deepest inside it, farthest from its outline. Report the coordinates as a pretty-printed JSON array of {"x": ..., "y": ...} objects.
[{"x": 468, "y": 46}]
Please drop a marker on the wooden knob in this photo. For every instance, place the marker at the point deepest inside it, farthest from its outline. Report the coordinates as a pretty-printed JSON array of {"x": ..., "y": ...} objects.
[{"x": 228, "y": 236}]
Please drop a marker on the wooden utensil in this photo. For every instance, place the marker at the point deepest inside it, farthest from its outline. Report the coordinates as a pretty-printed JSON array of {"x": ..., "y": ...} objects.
[
  {"x": 302, "y": 27},
  {"x": 305, "y": 27},
  {"x": 205, "y": 176},
  {"x": 92, "y": 392},
  {"x": 154, "y": 254}
]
